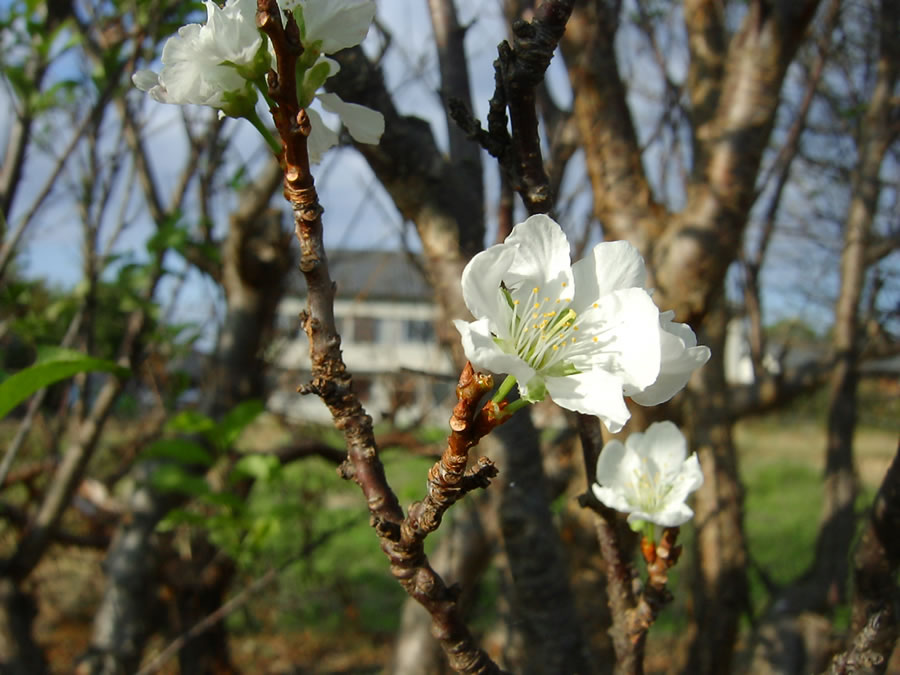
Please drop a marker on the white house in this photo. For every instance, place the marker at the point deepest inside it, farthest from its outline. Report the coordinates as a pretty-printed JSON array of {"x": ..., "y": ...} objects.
[{"x": 385, "y": 314}]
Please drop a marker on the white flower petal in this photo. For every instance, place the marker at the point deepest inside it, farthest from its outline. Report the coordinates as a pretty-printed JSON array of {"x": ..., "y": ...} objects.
[
  {"x": 145, "y": 80},
  {"x": 595, "y": 392},
  {"x": 585, "y": 334},
  {"x": 614, "y": 499},
  {"x": 543, "y": 253},
  {"x": 679, "y": 359},
  {"x": 648, "y": 477},
  {"x": 481, "y": 284},
  {"x": 688, "y": 478},
  {"x": 675, "y": 515},
  {"x": 616, "y": 464},
  {"x": 612, "y": 265},
  {"x": 321, "y": 138},
  {"x": 364, "y": 124},
  {"x": 625, "y": 323},
  {"x": 664, "y": 443},
  {"x": 194, "y": 59},
  {"x": 337, "y": 23}
]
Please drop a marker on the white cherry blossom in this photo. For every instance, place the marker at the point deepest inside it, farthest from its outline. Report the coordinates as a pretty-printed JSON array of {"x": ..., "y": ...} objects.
[
  {"x": 579, "y": 333},
  {"x": 586, "y": 334},
  {"x": 210, "y": 64},
  {"x": 649, "y": 477}
]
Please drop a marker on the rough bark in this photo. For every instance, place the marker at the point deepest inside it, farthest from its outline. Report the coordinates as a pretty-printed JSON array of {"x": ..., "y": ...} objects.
[
  {"x": 691, "y": 258},
  {"x": 19, "y": 654},
  {"x": 838, "y": 520},
  {"x": 623, "y": 200},
  {"x": 449, "y": 38},
  {"x": 541, "y": 594},
  {"x": 200, "y": 587},
  {"x": 424, "y": 187}
]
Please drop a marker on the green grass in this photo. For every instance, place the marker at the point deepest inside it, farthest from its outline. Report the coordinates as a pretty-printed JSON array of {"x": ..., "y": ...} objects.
[{"x": 346, "y": 581}]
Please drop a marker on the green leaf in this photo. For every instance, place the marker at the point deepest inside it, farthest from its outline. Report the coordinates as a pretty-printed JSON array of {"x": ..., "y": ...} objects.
[
  {"x": 180, "y": 449},
  {"x": 177, "y": 517},
  {"x": 172, "y": 478},
  {"x": 170, "y": 234},
  {"x": 258, "y": 466},
  {"x": 191, "y": 422},
  {"x": 224, "y": 499},
  {"x": 53, "y": 364},
  {"x": 236, "y": 421}
]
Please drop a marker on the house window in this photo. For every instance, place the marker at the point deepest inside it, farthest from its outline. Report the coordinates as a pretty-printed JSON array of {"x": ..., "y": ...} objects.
[{"x": 419, "y": 331}]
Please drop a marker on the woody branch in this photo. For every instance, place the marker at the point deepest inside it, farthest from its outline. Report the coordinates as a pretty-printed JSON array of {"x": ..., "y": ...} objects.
[{"x": 401, "y": 537}]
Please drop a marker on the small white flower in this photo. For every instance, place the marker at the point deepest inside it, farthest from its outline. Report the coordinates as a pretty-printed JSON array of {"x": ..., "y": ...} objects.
[
  {"x": 649, "y": 477},
  {"x": 201, "y": 63},
  {"x": 582, "y": 333}
]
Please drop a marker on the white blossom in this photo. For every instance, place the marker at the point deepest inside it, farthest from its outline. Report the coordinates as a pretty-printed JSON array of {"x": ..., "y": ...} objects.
[
  {"x": 649, "y": 477},
  {"x": 331, "y": 25},
  {"x": 581, "y": 333},
  {"x": 327, "y": 26},
  {"x": 586, "y": 334},
  {"x": 209, "y": 64}
]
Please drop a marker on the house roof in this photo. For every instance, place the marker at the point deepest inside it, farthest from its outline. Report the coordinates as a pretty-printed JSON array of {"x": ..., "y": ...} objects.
[{"x": 373, "y": 275}]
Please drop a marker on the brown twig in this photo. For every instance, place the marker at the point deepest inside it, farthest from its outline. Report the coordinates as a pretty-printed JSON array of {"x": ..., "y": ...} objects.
[
  {"x": 659, "y": 557},
  {"x": 402, "y": 538},
  {"x": 632, "y": 614},
  {"x": 518, "y": 71}
]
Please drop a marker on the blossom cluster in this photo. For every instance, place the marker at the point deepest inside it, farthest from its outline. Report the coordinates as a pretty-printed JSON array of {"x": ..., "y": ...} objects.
[
  {"x": 587, "y": 335},
  {"x": 222, "y": 64}
]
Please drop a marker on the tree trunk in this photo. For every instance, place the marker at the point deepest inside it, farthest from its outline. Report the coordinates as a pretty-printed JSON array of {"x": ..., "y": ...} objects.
[
  {"x": 876, "y": 562},
  {"x": 824, "y": 585},
  {"x": 542, "y": 598},
  {"x": 720, "y": 584},
  {"x": 201, "y": 585}
]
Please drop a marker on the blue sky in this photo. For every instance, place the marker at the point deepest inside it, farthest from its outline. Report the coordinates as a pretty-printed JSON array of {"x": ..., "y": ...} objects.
[{"x": 358, "y": 213}]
